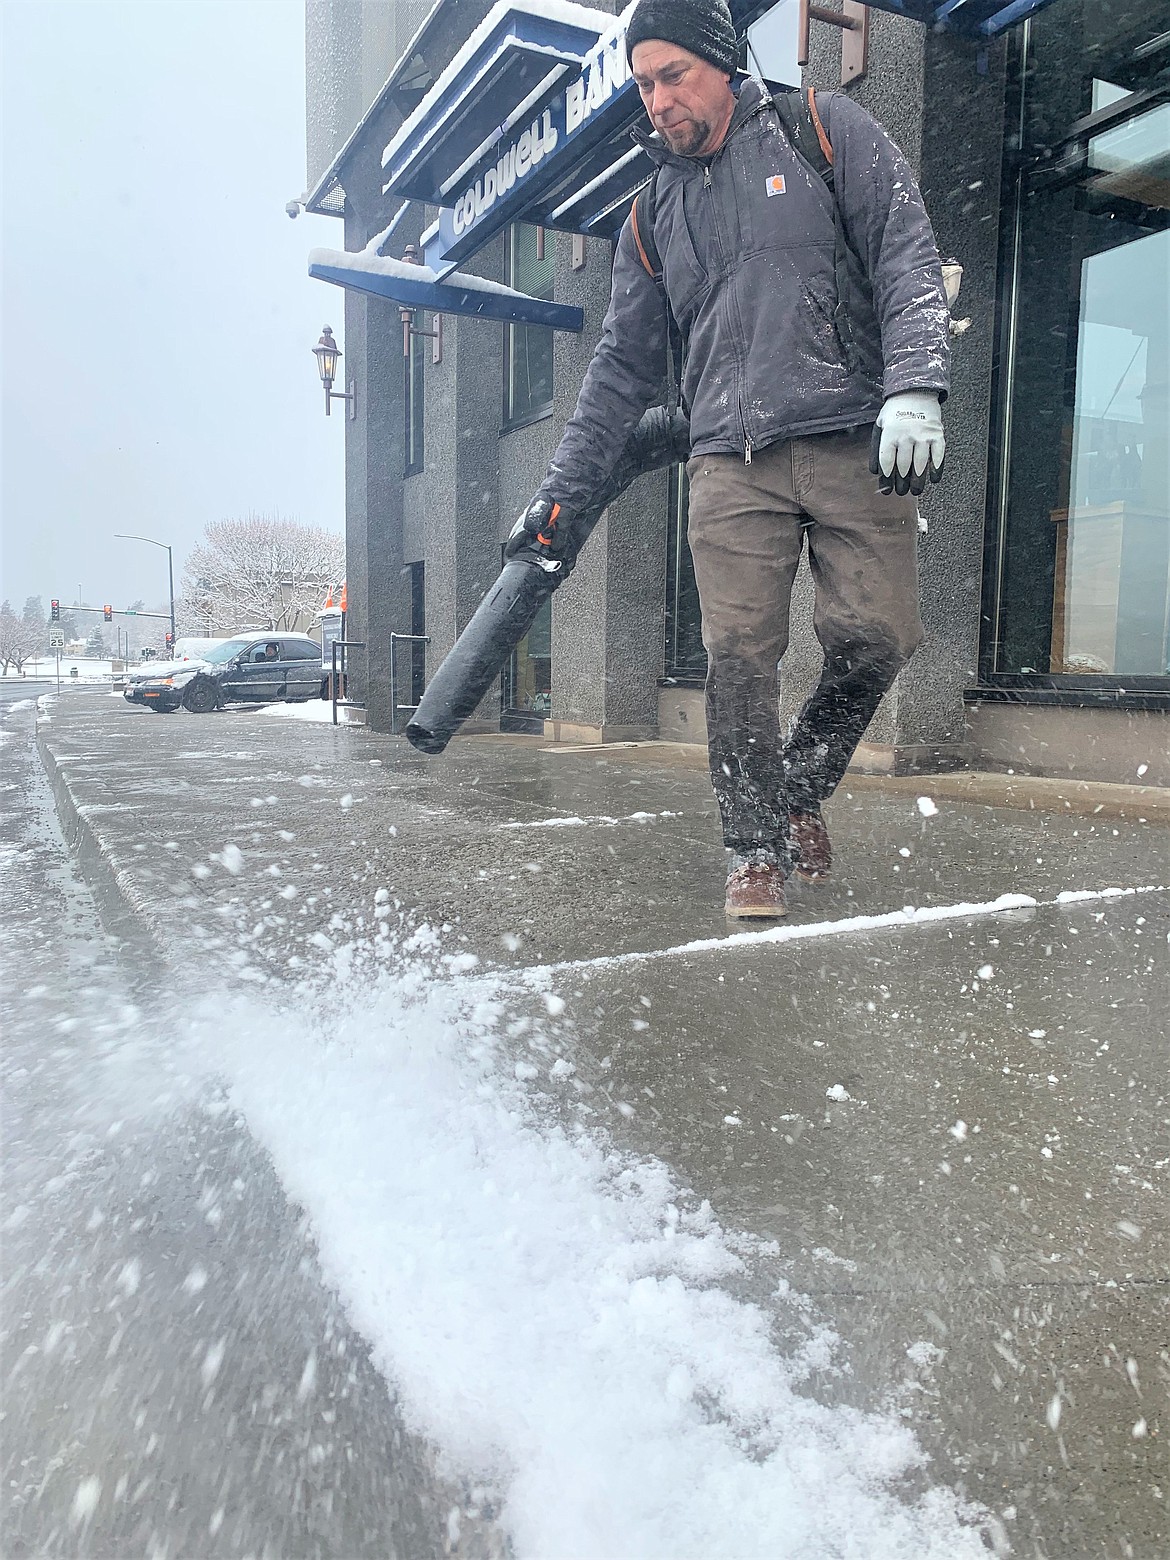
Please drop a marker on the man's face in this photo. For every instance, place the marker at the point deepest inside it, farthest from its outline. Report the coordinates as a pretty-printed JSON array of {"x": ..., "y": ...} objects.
[{"x": 689, "y": 100}]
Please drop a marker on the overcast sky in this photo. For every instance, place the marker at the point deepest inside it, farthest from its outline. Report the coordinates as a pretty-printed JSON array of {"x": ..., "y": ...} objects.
[{"x": 158, "y": 318}]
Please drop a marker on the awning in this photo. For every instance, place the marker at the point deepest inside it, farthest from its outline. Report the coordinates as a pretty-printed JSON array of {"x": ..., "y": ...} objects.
[
  {"x": 529, "y": 123},
  {"x": 417, "y": 287},
  {"x": 518, "y": 58},
  {"x": 971, "y": 18}
]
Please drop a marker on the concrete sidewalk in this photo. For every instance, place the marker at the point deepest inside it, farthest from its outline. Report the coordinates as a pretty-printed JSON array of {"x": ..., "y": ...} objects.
[{"x": 955, "y": 1129}]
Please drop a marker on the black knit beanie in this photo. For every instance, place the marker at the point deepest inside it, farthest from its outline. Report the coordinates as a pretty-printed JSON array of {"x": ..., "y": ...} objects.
[{"x": 703, "y": 27}]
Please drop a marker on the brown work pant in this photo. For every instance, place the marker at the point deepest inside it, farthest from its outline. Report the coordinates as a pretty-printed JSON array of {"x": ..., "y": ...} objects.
[{"x": 747, "y": 526}]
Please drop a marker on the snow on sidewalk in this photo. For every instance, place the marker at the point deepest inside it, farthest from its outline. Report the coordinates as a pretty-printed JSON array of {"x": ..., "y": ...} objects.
[
  {"x": 319, "y": 710},
  {"x": 556, "y": 1315}
]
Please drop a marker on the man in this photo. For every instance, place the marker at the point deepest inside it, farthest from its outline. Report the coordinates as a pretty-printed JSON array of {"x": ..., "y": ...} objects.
[{"x": 793, "y": 359}]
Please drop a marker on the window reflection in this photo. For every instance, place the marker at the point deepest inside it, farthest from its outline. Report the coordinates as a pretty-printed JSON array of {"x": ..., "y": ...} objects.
[
  {"x": 1082, "y": 580},
  {"x": 1113, "y": 574},
  {"x": 527, "y": 691}
]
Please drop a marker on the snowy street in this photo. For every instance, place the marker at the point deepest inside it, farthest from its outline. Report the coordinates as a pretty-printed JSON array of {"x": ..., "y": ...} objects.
[{"x": 404, "y": 1157}]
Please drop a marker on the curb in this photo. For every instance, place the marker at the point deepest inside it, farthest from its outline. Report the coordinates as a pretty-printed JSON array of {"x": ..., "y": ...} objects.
[{"x": 120, "y": 907}]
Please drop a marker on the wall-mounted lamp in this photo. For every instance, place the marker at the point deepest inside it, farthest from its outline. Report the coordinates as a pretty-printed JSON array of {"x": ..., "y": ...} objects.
[
  {"x": 952, "y": 281},
  {"x": 412, "y": 257},
  {"x": 328, "y": 353}
]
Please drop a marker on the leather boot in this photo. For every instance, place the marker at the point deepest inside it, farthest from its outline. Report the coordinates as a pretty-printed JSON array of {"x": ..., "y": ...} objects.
[
  {"x": 755, "y": 886},
  {"x": 812, "y": 852}
]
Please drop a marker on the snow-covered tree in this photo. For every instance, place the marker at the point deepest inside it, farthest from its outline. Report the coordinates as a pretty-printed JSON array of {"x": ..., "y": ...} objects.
[
  {"x": 36, "y": 625},
  {"x": 20, "y": 637},
  {"x": 261, "y": 571}
]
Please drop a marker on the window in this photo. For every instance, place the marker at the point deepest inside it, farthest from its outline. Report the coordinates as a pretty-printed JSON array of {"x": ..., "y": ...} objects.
[
  {"x": 301, "y": 650},
  {"x": 528, "y": 349},
  {"x": 686, "y": 659},
  {"x": 1079, "y": 580},
  {"x": 526, "y": 686},
  {"x": 415, "y": 385}
]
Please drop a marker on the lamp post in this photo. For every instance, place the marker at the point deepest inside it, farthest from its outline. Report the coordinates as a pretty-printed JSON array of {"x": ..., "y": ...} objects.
[
  {"x": 328, "y": 353},
  {"x": 121, "y": 535}
]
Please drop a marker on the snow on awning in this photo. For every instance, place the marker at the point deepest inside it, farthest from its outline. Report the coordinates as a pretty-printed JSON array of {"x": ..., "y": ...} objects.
[
  {"x": 518, "y": 57},
  {"x": 414, "y": 286}
]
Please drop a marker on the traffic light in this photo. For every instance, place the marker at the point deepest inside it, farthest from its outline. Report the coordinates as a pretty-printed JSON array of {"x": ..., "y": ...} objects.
[
  {"x": 55, "y": 610},
  {"x": 170, "y": 640},
  {"x": 108, "y": 614}
]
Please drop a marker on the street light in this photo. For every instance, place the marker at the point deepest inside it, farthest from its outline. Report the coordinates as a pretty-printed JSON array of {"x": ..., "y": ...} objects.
[
  {"x": 121, "y": 535},
  {"x": 327, "y": 353}
]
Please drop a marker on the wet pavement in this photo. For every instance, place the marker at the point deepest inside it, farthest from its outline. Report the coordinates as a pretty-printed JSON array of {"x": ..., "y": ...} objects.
[
  {"x": 957, "y": 1131},
  {"x": 178, "y": 1380}
]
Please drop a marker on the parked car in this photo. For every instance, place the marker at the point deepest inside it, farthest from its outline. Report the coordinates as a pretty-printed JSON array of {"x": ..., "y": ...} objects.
[
  {"x": 187, "y": 651},
  {"x": 259, "y": 668}
]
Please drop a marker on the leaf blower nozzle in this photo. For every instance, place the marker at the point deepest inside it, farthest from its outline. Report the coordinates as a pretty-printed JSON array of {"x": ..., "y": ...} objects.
[{"x": 527, "y": 581}]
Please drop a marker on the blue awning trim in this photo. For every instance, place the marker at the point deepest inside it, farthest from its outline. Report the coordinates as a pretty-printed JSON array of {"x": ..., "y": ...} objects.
[
  {"x": 448, "y": 296},
  {"x": 521, "y": 54},
  {"x": 968, "y": 18}
]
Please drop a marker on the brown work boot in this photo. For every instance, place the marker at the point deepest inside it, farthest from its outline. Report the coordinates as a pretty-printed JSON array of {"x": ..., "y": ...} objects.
[
  {"x": 755, "y": 886},
  {"x": 812, "y": 853}
]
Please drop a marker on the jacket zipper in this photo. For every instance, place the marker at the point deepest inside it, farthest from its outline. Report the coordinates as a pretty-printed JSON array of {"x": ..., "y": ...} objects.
[{"x": 708, "y": 184}]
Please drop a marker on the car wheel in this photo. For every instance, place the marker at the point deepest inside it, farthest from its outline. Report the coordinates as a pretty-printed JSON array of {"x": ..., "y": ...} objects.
[{"x": 201, "y": 697}]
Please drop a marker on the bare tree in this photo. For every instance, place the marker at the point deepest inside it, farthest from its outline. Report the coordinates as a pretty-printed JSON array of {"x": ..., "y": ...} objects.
[
  {"x": 20, "y": 637},
  {"x": 261, "y": 571}
]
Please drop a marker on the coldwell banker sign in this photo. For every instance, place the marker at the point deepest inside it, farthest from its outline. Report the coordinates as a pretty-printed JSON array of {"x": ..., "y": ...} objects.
[
  {"x": 560, "y": 158},
  {"x": 514, "y": 178}
]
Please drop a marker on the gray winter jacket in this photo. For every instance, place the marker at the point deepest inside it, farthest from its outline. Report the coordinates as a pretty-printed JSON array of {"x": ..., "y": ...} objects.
[{"x": 747, "y": 242}]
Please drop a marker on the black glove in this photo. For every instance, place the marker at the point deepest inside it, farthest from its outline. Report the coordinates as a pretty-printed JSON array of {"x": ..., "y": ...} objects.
[{"x": 543, "y": 527}]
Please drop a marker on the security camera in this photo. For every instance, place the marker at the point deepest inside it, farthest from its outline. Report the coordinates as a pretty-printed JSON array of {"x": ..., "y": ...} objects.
[{"x": 293, "y": 209}]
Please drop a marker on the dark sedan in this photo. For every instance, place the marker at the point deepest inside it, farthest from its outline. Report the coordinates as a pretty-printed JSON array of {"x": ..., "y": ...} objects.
[{"x": 260, "y": 668}]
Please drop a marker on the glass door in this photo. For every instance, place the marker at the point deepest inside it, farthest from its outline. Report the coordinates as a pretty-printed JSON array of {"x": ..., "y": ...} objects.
[
  {"x": 1111, "y": 611},
  {"x": 527, "y": 680},
  {"x": 1079, "y": 590}
]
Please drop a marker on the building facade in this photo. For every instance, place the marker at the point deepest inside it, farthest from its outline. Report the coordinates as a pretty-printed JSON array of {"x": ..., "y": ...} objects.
[{"x": 1043, "y": 154}]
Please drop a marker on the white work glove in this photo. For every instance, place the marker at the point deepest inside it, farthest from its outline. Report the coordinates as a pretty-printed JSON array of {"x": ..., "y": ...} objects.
[{"x": 908, "y": 442}]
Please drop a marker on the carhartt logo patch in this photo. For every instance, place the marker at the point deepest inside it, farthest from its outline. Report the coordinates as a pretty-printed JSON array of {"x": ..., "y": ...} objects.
[{"x": 774, "y": 184}]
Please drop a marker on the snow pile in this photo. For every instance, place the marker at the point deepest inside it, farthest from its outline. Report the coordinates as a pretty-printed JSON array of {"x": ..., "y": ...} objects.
[
  {"x": 559, "y": 1317},
  {"x": 45, "y": 668},
  {"x": 320, "y": 710}
]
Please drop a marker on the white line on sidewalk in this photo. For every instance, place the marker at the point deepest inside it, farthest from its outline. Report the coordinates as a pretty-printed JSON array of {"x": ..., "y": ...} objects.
[
  {"x": 602, "y": 821},
  {"x": 911, "y": 915}
]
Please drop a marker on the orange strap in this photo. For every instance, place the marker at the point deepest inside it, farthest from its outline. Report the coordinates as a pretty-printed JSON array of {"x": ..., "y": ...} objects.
[
  {"x": 638, "y": 235},
  {"x": 826, "y": 144},
  {"x": 552, "y": 520}
]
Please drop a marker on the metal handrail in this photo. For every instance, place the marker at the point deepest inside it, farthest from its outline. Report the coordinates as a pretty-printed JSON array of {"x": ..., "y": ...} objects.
[
  {"x": 334, "y": 681},
  {"x": 397, "y": 709}
]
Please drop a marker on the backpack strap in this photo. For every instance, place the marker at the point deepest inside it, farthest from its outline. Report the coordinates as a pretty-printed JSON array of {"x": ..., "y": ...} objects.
[
  {"x": 642, "y": 223},
  {"x": 805, "y": 129},
  {"x": 800, "y": 116}
]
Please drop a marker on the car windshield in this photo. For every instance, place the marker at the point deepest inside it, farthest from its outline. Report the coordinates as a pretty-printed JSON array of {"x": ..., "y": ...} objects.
[{"x": 226, "y": 652}]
